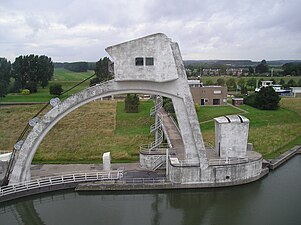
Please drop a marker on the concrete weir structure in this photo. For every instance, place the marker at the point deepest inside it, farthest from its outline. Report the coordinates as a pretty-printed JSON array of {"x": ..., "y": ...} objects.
[{"x": 153, "y": 65}]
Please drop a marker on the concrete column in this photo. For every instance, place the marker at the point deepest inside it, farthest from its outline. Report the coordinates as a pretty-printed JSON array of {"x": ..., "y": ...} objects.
[{"x": 106, "y": 160}]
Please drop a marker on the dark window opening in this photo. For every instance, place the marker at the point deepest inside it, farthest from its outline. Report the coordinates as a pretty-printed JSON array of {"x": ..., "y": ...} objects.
[
  {"x": 227, "y": 177},
  {"x": 149, "y": 61},
  {"x": 216, "y": 101},
  {"x": 139, "y": 61}
]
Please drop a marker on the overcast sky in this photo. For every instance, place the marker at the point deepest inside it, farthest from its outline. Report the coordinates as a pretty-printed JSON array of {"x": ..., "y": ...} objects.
[{"x": 80, "y": 30}]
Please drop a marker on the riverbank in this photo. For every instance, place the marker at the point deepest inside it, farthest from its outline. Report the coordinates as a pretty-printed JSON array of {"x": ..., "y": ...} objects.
[{"x": 275, "y": 163}]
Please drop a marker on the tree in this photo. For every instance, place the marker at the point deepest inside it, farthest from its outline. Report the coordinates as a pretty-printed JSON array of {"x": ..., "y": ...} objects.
[
  {"x": 252, "y": 83},
  {"x": 168, "y": 105},
  {"x": 291, "y": 83},
  {"x": 282, "y": 82},
  {"x": 209, "y": 82},
  {"x": 241, "y": 82},
  {"x": 56, "y": 89},
  {"x": 102, "y": 70},
  {"x": 293, "y": 69},
  {"x": 231, "y": 84},
  {"x": 31, "y": 70},
  {"x": 76, "y": 66},
  {"x": 131, "y": 103},
  {"x": 299, "y": 82},
  {"x": 251, "y": 70},
  {"x": 267, "y": 99},
  {"x": 5, "y": 75},
  {"x": 262, "y": 67},
  {"x": 220, "y": 81}
]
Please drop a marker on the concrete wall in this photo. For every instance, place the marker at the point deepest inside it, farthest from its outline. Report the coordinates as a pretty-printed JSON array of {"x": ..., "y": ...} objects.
[
  {"x": 156, "y": 46},
  {"x": 226, "y": 173},
  {"x": 148, "y": 161},
  {"x": 231, "y": 136}
]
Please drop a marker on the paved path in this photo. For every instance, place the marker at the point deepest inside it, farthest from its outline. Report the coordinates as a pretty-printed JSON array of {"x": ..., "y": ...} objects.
[
  {"x": 173, "y": 134},
  {"x": 131, "y": 170}
]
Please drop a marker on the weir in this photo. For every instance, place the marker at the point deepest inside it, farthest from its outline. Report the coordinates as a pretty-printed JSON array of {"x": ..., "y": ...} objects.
[{"x": 153, "y": 65}]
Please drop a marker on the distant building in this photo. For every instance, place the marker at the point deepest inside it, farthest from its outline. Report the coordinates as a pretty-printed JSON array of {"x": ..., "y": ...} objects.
[
  {"x": 207, "y": 95},
  {"x": 211, "y": 72},
  {"x": 237, "y": 101},
  {"x": 296, "y": 91},
  {"x": 234, "y": 72}
]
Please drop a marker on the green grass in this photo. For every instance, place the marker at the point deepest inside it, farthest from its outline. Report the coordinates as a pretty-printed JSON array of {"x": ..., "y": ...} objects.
[
  {"x": 134, "y": 123},
  {"x": 64, "y": 77},
  {"x": 206, "y": 113}
]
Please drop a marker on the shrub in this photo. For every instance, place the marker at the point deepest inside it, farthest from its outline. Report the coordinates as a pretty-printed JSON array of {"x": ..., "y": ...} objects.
[
  {"x": 55, "y": 89},
  {"x": 250, "y": 100},
  {"x": 25, "y": 92},
  {"x": 131, "y": 103},
  {"x": 197, "y": 107},
  {"x": 267, "y": 98}
]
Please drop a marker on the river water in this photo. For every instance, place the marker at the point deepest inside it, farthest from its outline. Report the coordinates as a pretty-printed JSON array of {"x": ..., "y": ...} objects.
[{"x": 274, "y": 200}]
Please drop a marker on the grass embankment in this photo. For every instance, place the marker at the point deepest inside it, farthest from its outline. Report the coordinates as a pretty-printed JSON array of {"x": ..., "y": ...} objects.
[
  {"x": 84, "y": 134},
  {"x": 61, "y": 76},
  {"x": 271, "y": 132}
]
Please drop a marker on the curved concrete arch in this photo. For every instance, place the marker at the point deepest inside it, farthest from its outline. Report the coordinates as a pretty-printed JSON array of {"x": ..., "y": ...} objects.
[{"x": 21, "y": 169}]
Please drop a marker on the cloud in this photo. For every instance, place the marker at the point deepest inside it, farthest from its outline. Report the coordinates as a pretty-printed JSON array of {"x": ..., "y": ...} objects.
[{"x": 80, "y": 30}]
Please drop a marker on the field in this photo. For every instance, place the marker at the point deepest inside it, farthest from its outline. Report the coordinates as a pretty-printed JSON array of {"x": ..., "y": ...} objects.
[
  {"x": 84, "y": 134},
  {"x": 64, "y": 77}
]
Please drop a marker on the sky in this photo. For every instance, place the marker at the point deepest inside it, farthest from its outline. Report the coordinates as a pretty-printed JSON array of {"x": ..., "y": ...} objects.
[{"x": 80, "y": 30}]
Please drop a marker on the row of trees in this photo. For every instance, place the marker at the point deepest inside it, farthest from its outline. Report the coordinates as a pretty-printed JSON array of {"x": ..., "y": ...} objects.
[
  {"x": 31, "y": 70},
  {"x": 293, "y": 69},
  {"x": 26, "y": 73}
]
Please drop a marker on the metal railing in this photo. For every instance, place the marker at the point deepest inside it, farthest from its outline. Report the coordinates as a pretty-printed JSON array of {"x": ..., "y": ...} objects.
[
  {"x": 226, "y": 161},
  {"x": 158, "y": 162},
  {"x": 5, "y": 152},
  {"x": 63, "y": 179},
  {"x": 156, "y": 127}
]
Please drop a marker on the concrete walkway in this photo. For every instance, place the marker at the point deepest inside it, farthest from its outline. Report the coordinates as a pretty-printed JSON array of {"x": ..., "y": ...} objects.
[
  {"x": 173, "y": 134},
  {"x": 131, "y": 170}
]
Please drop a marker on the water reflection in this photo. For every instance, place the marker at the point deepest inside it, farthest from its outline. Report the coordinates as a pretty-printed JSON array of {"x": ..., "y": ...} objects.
[{"x": 273, "y": 200}]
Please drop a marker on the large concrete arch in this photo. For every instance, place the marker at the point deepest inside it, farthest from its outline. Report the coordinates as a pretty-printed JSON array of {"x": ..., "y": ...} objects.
[
  {"x": 165, "y": 76},
  {"x": 21, "y": 169}
]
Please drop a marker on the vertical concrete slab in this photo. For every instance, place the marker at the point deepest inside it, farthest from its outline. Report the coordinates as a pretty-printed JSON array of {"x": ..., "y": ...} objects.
[{"x": 106, "y": 160}]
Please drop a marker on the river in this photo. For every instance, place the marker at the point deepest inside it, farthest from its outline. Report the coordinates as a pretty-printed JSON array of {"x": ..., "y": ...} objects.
[{"x": 273, "y": 200}]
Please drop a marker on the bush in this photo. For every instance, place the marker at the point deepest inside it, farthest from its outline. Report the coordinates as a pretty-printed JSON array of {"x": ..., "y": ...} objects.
[
  {"x": 168, "y": 106},
  {"x": 55, "y": 89},
  {"x": 25, "y": 92},
  {"x": 250, "y": 100},
  {"x": 197, "y": 107},
  {"x": 267, "y": 98},
  {"x": 131, "y": 103}
]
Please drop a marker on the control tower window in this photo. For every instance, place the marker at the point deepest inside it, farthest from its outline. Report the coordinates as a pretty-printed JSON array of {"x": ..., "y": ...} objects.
[
  {"x": 149, "y": 61},
  {"x": 139, "y": 61}
]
